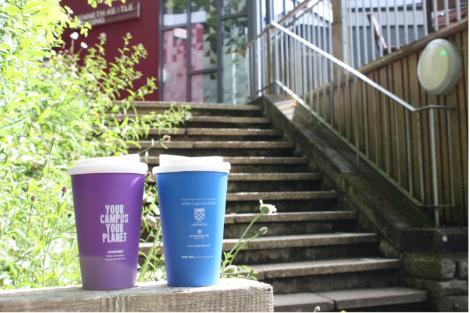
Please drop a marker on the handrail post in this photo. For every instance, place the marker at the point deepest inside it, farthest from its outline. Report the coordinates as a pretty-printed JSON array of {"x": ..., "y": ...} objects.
[
  {"x": 268, "y": 58},
  {"x": 432, "y": 138}
]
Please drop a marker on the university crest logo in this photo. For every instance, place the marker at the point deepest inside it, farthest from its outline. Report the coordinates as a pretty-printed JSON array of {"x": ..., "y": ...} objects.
[{"x": 199, "y": 214}]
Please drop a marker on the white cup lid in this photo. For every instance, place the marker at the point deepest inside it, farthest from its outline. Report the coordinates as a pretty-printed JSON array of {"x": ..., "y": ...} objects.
[
  {"x": 117, "y": 164},
  {"x": 177, "y": 163}
]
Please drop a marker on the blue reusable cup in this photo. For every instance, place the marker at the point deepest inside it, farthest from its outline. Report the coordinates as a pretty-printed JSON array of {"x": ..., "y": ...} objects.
[{"x": 192, "y": 193}]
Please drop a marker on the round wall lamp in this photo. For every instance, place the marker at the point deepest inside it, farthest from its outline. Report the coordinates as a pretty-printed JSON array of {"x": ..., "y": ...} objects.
[{"x": 439, "y": 67}]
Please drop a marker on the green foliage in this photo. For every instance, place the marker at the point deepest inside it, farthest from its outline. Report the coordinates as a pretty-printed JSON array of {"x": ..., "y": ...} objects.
[
  {"x": 54, "y": 111},
  {"x": 233, "y": 271}
]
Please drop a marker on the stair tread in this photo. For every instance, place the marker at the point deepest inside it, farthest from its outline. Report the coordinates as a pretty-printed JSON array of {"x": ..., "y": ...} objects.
[
  {"x": 351, "y": 298},
  {"x": 306, "y": 240},
  {"x": 281, "y": 195},
  {"x": 273, "y": 176},
  {"x": 252, "y": 160},
  {"x": 294, "y": 241},
  {"x": 205, "y": 106},
  {"x": 233, "y": 218},
  {"x": 218, "y": 131},
  {"x": 291, "y": 300},
  {"x": 215, "y": 119},
  {"x": 230, "y": 119},
  {"x": 322, "y": 267},
  {"x": 218, "y": 144},
  {"x": 367, "y": 297}
]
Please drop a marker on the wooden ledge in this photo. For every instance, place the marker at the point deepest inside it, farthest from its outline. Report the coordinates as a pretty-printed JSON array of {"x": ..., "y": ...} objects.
[{"x": 236, "y": 295}]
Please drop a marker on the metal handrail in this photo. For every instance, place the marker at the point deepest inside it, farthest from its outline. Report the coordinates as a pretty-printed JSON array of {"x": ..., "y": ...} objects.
[
  {"x": 356, "y": 73},
  {"x": 298, "y": 87},
  {"x": 308, "y": 6},
  {"x": 299, "y": 7}
]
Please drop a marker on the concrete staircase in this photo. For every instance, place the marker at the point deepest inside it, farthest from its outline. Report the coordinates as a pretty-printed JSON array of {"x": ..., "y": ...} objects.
[{"x": 314, "y": 254}]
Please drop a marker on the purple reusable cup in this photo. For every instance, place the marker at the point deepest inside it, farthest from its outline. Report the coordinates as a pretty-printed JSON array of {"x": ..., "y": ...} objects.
[{"x": 107, "y": 196}]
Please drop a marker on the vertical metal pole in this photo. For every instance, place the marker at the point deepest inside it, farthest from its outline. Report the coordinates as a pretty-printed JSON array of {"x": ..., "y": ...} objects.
[
  {"x": 357, "y": 42},
  {"x": 268, "y": 59},
  {"x": 323, "y": 27},
  {"x": 446, "y": 12},
  {"x": 415, "y": 20},
  {"x": 372, "y": 39},
  {"x": 277, "y": 62},
  {"x": 427, "y": 17},
  {"x": 397, "y": 26},
  {"x": 269, "y": 12},
  {"x": 405, "y": 21},
  {"x": 420, "y": 156},
  {"x": 434, "y": 167},
  {"x": 365, "y": 44},
  {"x": 436, "y": 17},
  {"x": 457, "y": 10},
  {"x": 389, "y": 35},
  {"x": 220, "y": 53}
]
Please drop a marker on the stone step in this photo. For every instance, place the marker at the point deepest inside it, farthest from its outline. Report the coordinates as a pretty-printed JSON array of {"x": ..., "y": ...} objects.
[
  {"x": 222, "y": 148},
  {"x": 327, "y": 275},
  {"x": 269, "y": 177},
  {"x": 288, "y": 205},
  {"x": 285, "y": 201},
  {"x": 219, "y": 145},
  {"x": 291, "y": 217},
  {"x": 241, "y": 164},
  {"x": 216, "y": 133},
  {"x": 281, "y": 223},
  {"x": 287, "y": 195},
  {"x": 275, "y": 249},
  {"x": 238, "y": 160},
  {"x": 201, "y": 108},
  {"x": 292, "y": 248},
  {"x": 348, "y": 299},
  {"x": 302, "y": 302},
  {"x": 236, "y": 120},
  {"x": 307, "y": 240},
  {"x": 323, "y": 267},
  {"x": 209, "y": 121},
  {"x": 277, "y": 182}
]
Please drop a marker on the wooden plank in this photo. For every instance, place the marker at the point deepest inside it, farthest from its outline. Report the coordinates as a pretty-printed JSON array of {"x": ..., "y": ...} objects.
[
  {"x": 416, "y": 46},
  {"x": 460, "y": 131},
  {"x": 372, "y": 121},
  {"x": 464, "y": 123},
  {"x": 415, "y": 96},
  {"x": 400, "y": 153},
  {"x": 229, "y": 295}
]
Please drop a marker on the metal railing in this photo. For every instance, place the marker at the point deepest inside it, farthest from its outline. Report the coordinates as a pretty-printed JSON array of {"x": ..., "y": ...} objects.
[
  {"x": 374, "y": 28},
  {"x": 396, "y": 138}
]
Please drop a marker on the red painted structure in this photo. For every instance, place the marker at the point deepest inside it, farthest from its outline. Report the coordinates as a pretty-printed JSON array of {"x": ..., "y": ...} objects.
[{"x": 144, "y": 29}]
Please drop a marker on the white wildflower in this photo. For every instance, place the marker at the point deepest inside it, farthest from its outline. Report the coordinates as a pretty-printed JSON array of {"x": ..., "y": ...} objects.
[
  {"x": 74, "y": 35},
  {"x": 267, "y": 208}
]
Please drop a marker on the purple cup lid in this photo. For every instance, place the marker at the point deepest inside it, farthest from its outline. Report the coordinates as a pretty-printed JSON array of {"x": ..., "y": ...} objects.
[{"x": 118, "y": 164}]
